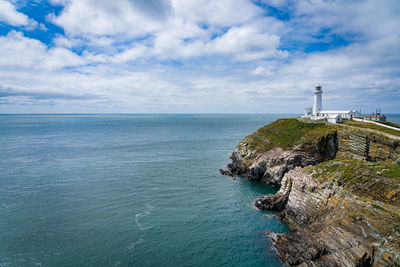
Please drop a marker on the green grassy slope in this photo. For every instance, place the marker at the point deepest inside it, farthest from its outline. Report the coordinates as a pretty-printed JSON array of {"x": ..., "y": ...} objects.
[{"x": 285, "y": 133}]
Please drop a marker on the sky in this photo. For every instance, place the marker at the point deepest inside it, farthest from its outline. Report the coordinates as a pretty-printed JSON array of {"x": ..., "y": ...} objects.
[{"x": 198, "y": 56}]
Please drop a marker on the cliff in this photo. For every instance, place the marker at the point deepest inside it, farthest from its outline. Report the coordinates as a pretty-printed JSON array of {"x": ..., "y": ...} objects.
[
  {"x": 342, "y": 213},
  {"x": 279, "y": 147},
  {"x": 339, "y": 191}
]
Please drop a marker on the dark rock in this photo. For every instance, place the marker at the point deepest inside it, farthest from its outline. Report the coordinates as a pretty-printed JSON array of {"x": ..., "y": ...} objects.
[
  {"x": 278, "y": 201},
  {"x": 272, "y": 236},
  {"x": 270, "y": 167},
  {"x": 332, "y": 223},
  {"x": 227, "y": 173},
  {"x": 299, "y": 247}
]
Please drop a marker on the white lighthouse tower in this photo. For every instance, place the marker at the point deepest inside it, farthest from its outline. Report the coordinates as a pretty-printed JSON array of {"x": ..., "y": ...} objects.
[{"x": 317, "y": 100}]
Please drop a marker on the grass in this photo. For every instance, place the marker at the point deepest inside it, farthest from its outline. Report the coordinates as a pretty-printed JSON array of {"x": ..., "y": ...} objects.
[
  {"x": 357, "y": 170},
  {"x": 378, "y": 207},
  {"x": 286, "y": 133},
  {"x": 365, "y": 178},
  {"x": 385, "y": 210},
  {"x": 372, "y": 126},
  {"x": 389, "y": 124}
]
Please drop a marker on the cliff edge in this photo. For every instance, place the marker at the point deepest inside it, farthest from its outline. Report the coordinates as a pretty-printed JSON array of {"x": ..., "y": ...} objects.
[
  {"x": 279, "y": 147},
  {"x": 339, "y": 191}
]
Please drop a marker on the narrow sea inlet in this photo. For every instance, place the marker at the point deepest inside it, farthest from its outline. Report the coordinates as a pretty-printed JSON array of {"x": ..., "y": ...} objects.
[{"x": 137, "y": 190}]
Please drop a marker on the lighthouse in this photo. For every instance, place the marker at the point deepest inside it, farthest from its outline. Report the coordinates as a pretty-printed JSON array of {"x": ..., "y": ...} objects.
[{"x": 317, "y": 100}]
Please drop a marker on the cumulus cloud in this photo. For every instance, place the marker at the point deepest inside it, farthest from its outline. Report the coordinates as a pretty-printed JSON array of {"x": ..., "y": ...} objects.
[
  {"x": 173, "y": 30},
  {"x": 11, "y": 16},
  {"x": 134, "y": 18},
  {"x": 20, "y": 52},
  {"x": 205, "y": 56},
  {"x": 247, "y": 43}
]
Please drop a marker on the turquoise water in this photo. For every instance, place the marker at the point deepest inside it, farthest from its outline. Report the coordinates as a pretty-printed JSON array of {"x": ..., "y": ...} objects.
[{"x": 129, "y": 190}]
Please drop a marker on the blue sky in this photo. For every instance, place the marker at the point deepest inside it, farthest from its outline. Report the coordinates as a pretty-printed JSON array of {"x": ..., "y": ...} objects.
[{"x": 198, "y": 56}]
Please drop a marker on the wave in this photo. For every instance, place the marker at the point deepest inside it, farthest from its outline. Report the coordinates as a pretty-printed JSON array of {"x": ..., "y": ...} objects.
[
  {"x": 138, "y": 216},
  {"x": 134, "y": 244}
]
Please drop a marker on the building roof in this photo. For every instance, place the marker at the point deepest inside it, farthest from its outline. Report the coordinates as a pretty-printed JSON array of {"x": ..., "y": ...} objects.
[
  {"x": 337, "y": 111},
  {"x": 335, "y": 116},
  {"x": 374, "y": 115}
]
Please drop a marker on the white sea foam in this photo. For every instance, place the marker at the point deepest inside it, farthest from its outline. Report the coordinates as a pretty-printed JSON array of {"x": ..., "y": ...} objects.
[{"x": 138, "y": 216}]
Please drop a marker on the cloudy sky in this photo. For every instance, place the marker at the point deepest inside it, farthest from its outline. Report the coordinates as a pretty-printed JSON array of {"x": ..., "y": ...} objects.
[{"x": 198, "y": 56}]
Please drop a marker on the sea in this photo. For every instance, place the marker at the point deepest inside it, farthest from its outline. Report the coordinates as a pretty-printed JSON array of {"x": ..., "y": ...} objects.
[{"x": 130, "y": 190}]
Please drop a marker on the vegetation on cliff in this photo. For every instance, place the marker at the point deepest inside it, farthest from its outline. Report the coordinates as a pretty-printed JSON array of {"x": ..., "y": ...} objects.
[
  {"x": 286, "y": 133},
  {"x": 376, "y": 180},
  {"x": 340, "y": 189},
  {"x": 375, "y": 127}
]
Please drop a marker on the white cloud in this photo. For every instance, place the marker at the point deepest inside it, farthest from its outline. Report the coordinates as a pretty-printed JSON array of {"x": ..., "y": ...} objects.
[
  {"x": 130, "y": 54},
  {"x": 260, "y": 70},
  {"x": 104, "y": 18},
  {"x": 11, "y": 16},
  {"x": 231, "y": 57},
  {"x": 246, "y": 44},
  {"x": 174, "y": 30},
  {"x": 222, "y": 13},
  {"x": 20, "y": 52},
  {"x": 362, "y": 20}
]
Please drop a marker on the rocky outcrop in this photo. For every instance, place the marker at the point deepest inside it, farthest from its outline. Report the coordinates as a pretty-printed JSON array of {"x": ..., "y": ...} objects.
[
  {"x": 269, "y": 167},
  {"x": 278, "y": 201},
  {"x": 341, "y": 212},
  {"x": 226, "y": 173},
  {"x": 333, "y": 226},
  {"x": 360, "y": 144}
]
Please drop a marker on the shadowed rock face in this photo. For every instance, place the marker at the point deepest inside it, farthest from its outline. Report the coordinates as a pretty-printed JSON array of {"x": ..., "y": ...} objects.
[
  {"x": 331, "y": 226},
  {"x": 278, "y": 201},
  {"x": 340, "y": 220},
  {"x": 269, "y": 167}
]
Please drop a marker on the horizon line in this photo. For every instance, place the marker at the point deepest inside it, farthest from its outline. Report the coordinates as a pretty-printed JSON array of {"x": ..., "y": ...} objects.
[{"x": 167, "y": 113}]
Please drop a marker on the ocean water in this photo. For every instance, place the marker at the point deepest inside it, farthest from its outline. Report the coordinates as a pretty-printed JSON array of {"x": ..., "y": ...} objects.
[
  {"x": 129, "y": 190},
  {"x": 395, "y": 118}
]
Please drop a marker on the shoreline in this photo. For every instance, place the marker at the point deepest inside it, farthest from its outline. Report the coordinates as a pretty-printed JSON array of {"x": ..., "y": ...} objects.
[{"x": 338, "y": 213}]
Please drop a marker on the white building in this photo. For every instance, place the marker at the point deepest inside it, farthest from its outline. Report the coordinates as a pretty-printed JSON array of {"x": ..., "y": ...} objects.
[
  {"x": 345, "y": 114},
  {"x": 308, "y": 112},
  {"x": 333, "y": 116},
  {"x": 317, "y": 100}
]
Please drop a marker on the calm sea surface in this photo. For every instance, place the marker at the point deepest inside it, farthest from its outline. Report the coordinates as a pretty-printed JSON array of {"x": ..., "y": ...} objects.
[{"x": 137, "y": 190}]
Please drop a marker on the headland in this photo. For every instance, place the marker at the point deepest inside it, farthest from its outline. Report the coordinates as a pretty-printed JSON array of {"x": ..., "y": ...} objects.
[{"x": 339, "y": 190}]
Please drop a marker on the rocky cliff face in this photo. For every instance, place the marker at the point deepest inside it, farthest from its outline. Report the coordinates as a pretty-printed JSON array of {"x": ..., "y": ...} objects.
[
  {"x": 339, "y": 191},
  {"x": 269, "y": 167},
  {"x": 334, "y": 224},
  {"x": 359, "y": 144}
]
